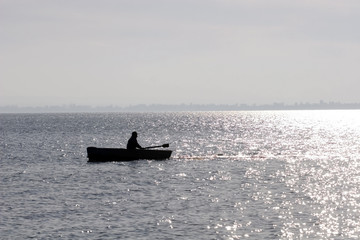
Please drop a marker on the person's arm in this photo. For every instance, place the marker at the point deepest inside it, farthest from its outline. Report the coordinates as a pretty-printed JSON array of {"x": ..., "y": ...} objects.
[{"x": 138, "y": 145}]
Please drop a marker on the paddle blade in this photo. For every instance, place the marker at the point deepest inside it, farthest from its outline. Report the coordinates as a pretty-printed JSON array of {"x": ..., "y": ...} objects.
[{"x": 164, "y": 146}]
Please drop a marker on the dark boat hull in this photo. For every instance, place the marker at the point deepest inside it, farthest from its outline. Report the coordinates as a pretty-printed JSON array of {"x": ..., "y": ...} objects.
[{"x": 120, "y": 154}]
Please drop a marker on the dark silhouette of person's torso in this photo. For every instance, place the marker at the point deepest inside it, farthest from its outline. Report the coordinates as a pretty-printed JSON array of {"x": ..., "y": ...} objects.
[{"x": 133, "y": 143}]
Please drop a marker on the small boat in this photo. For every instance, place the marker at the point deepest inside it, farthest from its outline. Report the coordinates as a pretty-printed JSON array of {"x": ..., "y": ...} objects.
[{"x": 120, "y": 154}]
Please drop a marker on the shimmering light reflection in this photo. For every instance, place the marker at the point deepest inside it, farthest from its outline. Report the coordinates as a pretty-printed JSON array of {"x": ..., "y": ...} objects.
[
  {"x": 326, "y": 171},
  {"x": 321, "y": 149}
]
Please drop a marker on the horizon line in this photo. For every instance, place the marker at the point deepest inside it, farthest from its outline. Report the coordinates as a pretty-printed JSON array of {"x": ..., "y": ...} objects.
[{"x": 321, "y": 105}]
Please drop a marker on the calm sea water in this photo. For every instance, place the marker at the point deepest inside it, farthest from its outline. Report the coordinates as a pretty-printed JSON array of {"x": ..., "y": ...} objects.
[{"x": 232, "y": 175}]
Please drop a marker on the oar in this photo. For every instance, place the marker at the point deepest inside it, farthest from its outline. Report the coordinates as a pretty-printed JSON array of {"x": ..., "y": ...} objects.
[{"x": 164, "y": 146}]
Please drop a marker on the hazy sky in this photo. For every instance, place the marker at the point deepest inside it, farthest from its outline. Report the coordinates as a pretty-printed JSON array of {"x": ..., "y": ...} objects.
[{"x": 122, "y": 52}]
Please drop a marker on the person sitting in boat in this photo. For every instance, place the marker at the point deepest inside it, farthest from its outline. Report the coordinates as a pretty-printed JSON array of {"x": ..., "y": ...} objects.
[{"x": 133, "y": 143}]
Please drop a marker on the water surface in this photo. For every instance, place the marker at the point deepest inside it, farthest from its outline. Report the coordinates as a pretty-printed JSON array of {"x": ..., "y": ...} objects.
[{"x": 232, "y": 175}]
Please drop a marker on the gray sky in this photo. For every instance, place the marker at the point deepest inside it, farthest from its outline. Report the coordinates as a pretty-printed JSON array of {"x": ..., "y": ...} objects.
[{"x": 122, "y": 52}]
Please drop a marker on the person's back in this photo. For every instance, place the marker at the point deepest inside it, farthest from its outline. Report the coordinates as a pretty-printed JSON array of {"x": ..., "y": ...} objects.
[{"x": 133, "y": 143}]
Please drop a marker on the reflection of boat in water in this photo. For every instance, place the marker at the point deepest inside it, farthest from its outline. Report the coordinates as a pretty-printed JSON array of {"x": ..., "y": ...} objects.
[{"x": 121, "y": 154}]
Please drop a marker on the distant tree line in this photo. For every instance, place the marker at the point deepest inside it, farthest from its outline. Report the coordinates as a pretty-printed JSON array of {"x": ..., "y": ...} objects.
[{"x": 179, "y": 107}]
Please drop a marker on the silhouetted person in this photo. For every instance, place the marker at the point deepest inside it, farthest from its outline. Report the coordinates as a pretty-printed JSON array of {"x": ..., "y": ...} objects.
[{"x": 133, "y": 143}]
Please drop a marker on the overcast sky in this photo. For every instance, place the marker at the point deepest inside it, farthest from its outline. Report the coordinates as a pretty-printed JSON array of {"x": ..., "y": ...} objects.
[{"x": 123, "y": 52}]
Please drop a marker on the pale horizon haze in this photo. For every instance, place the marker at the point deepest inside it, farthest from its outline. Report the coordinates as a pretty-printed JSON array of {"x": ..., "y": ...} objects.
[{"x": 128, "y": 52}]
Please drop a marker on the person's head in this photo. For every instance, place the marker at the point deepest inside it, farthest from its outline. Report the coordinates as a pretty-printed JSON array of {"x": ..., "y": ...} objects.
[{"x": 134, "y": 134}]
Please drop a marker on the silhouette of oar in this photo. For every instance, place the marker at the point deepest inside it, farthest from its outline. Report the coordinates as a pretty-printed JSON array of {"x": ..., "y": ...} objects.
[{"x": 164, "y": 146}]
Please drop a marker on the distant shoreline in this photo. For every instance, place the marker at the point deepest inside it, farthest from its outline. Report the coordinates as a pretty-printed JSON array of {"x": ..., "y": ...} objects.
[{"x": 180, "y": 107}]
